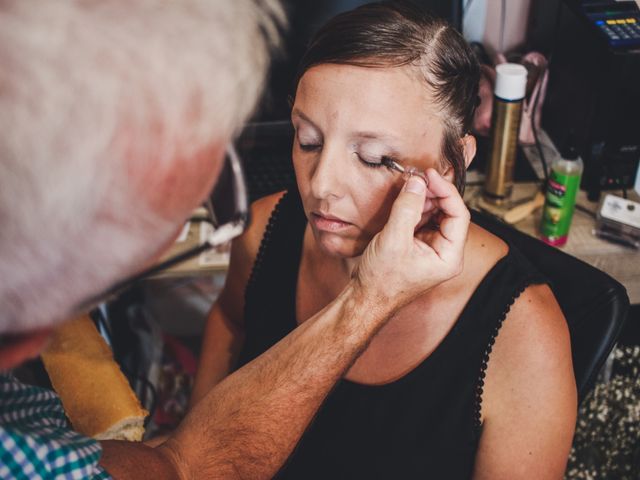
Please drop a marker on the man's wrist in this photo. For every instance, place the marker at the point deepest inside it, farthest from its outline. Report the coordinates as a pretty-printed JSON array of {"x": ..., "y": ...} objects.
[{"x": 364, "y": 303}]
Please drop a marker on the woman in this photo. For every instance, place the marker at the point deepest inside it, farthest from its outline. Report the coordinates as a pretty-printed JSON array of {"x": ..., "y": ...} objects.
[{"x": 474, "y": 379}]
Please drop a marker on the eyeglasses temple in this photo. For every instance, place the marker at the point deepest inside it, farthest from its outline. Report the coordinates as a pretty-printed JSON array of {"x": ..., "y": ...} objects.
[{"x": 124, "y": 284}]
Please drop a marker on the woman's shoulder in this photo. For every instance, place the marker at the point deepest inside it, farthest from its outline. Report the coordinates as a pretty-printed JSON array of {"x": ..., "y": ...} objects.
[
  {"x": 481, "y": 238},
  {"x": 529, "y": 401},
  {"x": 261, "y": 211},
  {"x": 535, "y": 325},
  {"x": 532, "y": 339},
  {"x": 532, "y": 352},
  {"x": 249, "y": 242},
  {"x": 534, "y": 330},
  {"x": 245, "y": 248},
  {"x": 483, "y": 251}
]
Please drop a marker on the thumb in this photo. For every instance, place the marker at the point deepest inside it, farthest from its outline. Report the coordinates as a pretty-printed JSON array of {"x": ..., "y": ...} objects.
[{"x": 407, "y": 208}]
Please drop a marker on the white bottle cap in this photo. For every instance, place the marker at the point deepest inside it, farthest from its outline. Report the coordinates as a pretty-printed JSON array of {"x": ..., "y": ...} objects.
[{"x": 511, "y": 81}]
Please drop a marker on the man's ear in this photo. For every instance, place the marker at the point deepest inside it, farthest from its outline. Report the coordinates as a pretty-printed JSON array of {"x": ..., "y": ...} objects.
[
  {"x": 468, "y": 143},
  {"x": 18, "y": 348}
]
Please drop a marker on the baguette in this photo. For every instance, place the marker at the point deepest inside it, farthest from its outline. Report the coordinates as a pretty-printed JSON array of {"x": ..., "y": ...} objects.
[{"x": 95, "y": 394}]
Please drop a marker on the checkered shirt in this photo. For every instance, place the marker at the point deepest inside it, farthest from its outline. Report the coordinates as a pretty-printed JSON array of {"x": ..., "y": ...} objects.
[{"x": 36, "y": 441}]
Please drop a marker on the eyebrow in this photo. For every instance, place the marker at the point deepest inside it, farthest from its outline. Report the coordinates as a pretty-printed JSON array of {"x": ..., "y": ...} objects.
[
  {"x": 298, "y": 113},
  {"x": 375, "y": 136}
]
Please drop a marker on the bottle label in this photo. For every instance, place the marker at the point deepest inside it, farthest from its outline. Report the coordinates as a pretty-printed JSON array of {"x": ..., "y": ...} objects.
[{"x": 559, "y": 205}]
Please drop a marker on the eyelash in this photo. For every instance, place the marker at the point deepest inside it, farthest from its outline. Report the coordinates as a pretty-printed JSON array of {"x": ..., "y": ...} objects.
[
  {"x": 371, "y": 164},
  {"x": 308, "y": 147},
  {"x": 313, "y": 148}
]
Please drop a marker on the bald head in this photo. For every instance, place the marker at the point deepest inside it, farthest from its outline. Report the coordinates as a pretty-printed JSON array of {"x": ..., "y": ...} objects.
[{"x": 113, "y": 117}]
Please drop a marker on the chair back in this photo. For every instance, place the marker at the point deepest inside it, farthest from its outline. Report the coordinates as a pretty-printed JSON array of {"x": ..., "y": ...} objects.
[
  {"x": 265, "y": 151},
  {"x": 594, "y": 304}
]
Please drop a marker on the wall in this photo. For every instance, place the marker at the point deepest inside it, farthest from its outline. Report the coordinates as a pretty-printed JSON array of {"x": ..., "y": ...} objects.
[{"x": 483, "y": 22}]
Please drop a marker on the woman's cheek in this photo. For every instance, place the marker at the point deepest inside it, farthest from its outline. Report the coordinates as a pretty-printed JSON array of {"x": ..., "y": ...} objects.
[
  {"x": 302, "y": 177},
  {"x": 378, "y": 205}
]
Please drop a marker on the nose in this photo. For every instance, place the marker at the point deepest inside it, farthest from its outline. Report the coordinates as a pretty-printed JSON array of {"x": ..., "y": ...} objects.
[{"x": 327, "y": 176}]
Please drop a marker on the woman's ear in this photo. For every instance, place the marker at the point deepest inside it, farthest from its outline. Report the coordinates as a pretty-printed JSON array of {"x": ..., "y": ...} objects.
[
  {"x": 468, "y": 149},
  {"x": 449, "y": 173},
  {"x": 468, "y": 143}
]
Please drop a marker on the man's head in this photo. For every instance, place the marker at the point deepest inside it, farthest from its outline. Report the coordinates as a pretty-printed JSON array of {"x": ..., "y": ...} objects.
[{"x": 114, "y": 118}]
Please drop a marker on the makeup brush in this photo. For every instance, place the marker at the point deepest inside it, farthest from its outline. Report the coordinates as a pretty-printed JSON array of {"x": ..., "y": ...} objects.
[{"x": 406, "y": 172}]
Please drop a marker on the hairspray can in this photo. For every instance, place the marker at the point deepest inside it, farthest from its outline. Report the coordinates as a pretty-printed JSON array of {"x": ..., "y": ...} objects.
[{"x": 511, "y": 84}]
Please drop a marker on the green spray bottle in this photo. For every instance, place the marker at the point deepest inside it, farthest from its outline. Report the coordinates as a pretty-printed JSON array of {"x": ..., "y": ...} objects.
[{"x": 560, "y": 199}]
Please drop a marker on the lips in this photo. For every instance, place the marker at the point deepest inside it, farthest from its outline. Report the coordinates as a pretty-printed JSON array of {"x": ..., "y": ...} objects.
[{"x": 328, "y": 223}]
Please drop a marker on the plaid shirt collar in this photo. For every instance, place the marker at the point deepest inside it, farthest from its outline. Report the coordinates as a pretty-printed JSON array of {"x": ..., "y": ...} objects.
[{"x": 36, "y": 441}]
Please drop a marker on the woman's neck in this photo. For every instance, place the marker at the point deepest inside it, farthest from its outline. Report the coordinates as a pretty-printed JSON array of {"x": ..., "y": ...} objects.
[
  {"x": 341, "y": 266},
  {"x": 350, "y": 264}
]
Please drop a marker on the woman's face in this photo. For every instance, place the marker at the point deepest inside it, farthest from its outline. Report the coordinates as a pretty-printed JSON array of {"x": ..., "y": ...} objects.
[{"x": 346, "y": 120}]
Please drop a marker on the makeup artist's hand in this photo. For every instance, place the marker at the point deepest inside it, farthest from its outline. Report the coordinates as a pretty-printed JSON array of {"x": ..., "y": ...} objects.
[{"x": 397, "y": 266}]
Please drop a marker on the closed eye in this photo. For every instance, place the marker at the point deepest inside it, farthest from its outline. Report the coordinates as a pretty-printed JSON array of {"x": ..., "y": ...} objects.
[
  {"x": 309, "y": 147},
  {"x": 370, "y": 162}
]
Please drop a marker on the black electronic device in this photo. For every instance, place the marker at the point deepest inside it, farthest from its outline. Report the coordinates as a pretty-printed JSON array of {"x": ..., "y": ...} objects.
[
  {"x": 593, "y": 97},
  {"x": 618, "y": 22}
]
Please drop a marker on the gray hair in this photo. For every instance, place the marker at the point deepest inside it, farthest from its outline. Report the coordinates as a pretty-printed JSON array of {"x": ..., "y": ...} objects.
[{"x": 89, "y": 92}]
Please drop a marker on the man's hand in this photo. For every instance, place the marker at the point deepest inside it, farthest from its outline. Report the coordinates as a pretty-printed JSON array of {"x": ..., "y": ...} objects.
[{"x": 396, "y": 266}]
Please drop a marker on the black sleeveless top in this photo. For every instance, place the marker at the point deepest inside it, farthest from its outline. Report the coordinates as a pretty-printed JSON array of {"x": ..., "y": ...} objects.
[{"x": 425, "y": 424}]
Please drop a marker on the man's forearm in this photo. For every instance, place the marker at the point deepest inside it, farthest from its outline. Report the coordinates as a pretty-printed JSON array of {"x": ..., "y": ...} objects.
[
  {"x": 221, "y": 346},
  {"x": 247, "y": 426}
]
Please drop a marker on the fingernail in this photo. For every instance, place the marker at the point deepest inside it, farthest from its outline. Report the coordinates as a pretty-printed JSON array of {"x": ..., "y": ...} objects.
[{"x": 415, "y": 185}]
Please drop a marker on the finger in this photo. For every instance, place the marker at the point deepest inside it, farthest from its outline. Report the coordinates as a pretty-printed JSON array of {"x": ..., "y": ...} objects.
[
  {"x": 449, "y": 199},
  {"x": 407, "y": 208},
  {"x": 454, "y": 223},
  {"x": 428, "y": 206}
]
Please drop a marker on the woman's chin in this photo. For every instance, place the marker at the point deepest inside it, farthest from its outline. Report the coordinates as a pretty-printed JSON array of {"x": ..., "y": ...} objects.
[{"x": 336, "y": 246}]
